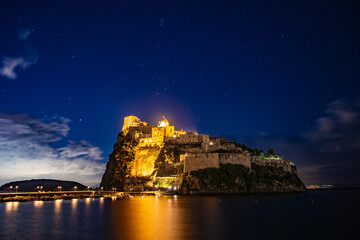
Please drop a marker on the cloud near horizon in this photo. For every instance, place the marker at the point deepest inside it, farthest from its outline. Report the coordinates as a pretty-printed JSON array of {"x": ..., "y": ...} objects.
[
  {"x": 26, "y": 151},
  {"x": 327, "y": 152}
]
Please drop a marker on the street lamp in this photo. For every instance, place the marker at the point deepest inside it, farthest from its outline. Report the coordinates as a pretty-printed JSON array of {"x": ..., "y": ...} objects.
[
  {"x": 10, "y": 188},
  {"x": 16, "y": 188},
  {"x": 75, "y": 188},
  {"x": 41, "y": 188},
  {"x": 102, "y": 188},
  {"x": 59, "y": 187}
]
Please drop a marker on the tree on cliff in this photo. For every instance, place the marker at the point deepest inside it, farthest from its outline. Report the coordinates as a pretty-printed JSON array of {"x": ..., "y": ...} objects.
[{"x": 271, "y": 151}]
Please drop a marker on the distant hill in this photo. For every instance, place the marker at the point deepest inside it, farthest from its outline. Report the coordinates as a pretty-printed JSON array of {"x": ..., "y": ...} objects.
[{"x": 47, "y": 184}]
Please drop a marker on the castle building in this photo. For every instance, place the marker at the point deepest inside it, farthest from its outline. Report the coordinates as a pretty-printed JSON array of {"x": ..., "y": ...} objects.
[
  {"x": 131, "y": 121},
  {"x": 149, "y": 135}
]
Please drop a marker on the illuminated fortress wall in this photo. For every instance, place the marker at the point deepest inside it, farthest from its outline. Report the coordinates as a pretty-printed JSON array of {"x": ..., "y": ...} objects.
[
  {"x": 131, "y": 121},
  {"x": 196, "y": 161},
  {"x": 278, "y": 163},
  {"x": 235, "y": 158},
  {"x": 144, "y": 161}
]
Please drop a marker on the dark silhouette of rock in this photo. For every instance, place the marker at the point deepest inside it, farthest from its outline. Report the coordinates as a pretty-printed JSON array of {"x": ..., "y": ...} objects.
[{"x": 46, "y": 184}]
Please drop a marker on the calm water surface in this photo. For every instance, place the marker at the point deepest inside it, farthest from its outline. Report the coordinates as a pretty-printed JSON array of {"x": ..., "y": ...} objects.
[{"x": 331, "y": 214}]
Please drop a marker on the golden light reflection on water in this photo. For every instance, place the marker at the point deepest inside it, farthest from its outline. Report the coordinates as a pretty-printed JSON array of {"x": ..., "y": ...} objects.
[
  {"x": 38, "y": 204},
  {"x": 11, "y": 207},
  {"x": 74, "y": 203},
  {"x": 58, "y": 205},
  {"x": 149, "y": 218}
]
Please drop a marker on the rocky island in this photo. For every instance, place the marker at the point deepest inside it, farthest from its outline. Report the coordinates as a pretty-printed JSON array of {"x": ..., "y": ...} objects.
[{"x": 149, "y": 157}]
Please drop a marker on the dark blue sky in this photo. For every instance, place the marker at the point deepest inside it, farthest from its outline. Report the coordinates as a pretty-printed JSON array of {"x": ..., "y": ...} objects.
[{"x": 239, "y": 69}]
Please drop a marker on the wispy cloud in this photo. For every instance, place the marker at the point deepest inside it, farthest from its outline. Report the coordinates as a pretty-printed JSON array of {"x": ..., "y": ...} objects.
[
  {"x": 24, "y": 34},
  {"x": 26, "y": 151},
  {"x": 327, "y": 152},
  {"x": 10, "y": 65}
]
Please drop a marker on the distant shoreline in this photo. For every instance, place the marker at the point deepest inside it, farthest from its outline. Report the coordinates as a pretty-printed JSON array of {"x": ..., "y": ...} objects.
[{"x": 335, "y": 188}]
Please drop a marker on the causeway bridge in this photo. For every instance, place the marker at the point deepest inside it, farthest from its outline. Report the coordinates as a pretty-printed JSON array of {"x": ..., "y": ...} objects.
[{"x": 85, "y": 193}]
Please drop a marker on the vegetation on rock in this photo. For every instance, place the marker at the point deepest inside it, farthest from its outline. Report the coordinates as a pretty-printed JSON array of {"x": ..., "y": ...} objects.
[{"x": 231, "y": 178}]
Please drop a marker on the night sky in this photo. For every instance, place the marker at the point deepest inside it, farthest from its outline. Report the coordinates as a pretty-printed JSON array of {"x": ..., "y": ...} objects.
[{"x": 275, "y": 75}]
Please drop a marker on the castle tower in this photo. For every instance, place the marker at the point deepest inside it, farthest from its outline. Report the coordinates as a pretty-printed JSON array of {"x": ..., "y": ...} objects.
[
  {"x": 131, "y": 121},
  {"x": 163, "y": 122},
  {"x": 168, "y": 130}
]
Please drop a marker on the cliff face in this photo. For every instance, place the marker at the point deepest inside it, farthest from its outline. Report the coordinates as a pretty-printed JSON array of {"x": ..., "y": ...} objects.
[
  {"x": 194, "y": 171},
  {"x": 134, "y": 168},
  {"x": 120, "y": 163}
]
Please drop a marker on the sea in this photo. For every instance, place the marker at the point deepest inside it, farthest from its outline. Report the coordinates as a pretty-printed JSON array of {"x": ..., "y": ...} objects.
[{"x": 318, "y": 214}]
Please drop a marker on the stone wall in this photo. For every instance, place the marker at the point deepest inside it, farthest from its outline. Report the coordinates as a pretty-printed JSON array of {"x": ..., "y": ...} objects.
[
  {"x": 188, "y": 138},
  {"x": 278, "y": 163},
  {"x": 196, "y": 161},
  {"x": 235, "y": 158}
]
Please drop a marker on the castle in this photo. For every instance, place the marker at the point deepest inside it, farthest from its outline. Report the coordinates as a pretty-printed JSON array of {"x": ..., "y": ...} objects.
[
  {"x": 200, "y": 151},
  {"x": 149, "y": 135},
  {"x": 148, "y": 156}
]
